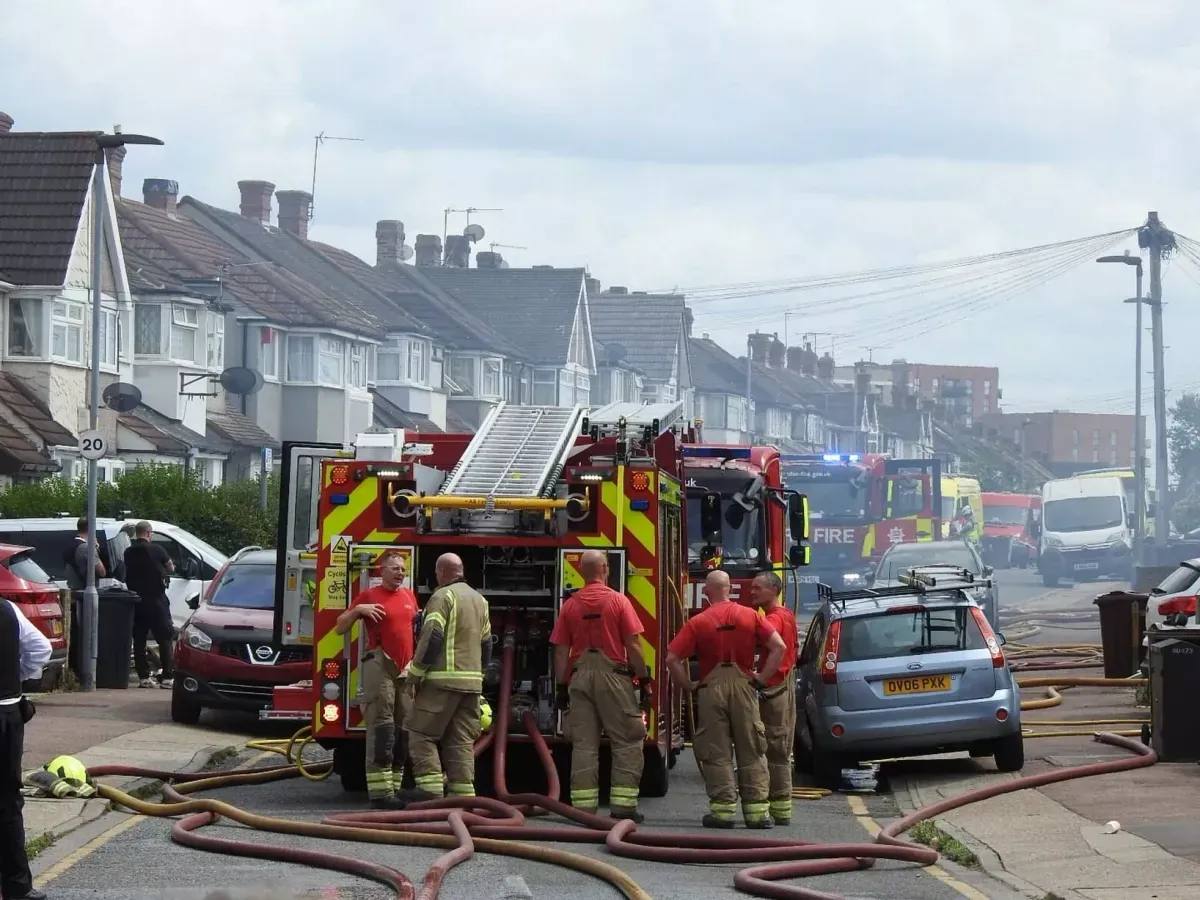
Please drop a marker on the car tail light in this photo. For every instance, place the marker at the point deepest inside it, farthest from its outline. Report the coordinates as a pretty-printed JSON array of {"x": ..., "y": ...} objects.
[
  {"x": 900, "y": 610},
  {"x": 1185, "y": 605},
  {"x": 829, "y": 653},
  {"x": 331, "y": 669},
  {"x": 989, "y": 637}
]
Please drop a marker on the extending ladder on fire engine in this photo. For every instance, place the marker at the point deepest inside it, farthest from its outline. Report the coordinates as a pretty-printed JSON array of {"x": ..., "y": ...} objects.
[
  {"x": 636, "y": 415},
  {"x": 518, "y": 451}
]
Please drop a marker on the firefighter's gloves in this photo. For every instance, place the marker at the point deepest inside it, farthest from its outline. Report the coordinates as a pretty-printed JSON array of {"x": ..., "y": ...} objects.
[
  {"x": 645, "y": 692},
  {"x": 562, "y": 698}
]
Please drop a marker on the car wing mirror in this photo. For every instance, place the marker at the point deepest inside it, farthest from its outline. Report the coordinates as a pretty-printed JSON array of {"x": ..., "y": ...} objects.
[
  {"x": 194, "y": 602},
  {"x": 1000, "y": 639}
]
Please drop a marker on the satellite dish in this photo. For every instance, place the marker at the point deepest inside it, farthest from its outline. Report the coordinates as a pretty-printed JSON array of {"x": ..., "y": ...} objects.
[
  {"x": 474, "y": 233},
  {"x": 614, "y": 353},
  {"x": 504, "y": 263},
  {"x": 122, "y": 397},
  {"x": 406, "y": 252},
  {"x": 241, "y": 381}
]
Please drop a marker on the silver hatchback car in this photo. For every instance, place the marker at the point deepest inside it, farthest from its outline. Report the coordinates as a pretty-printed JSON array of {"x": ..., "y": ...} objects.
[{"x": 905, "y": 670}]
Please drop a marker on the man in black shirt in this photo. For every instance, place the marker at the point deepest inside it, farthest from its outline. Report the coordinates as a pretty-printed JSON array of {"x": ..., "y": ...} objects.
[{"x": 148, "y": 570}]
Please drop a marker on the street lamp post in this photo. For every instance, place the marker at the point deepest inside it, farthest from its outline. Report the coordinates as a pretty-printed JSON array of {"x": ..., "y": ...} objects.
[
  {"x": 90, "y": 624},
  {"x": 1139, "y": 432}
]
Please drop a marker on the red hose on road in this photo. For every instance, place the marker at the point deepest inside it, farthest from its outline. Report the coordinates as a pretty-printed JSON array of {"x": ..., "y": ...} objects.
[{"x": 477, "y": 823}]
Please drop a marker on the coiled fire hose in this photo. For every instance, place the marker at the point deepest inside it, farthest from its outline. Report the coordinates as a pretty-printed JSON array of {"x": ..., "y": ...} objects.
[{"x": 460, "y": 826}]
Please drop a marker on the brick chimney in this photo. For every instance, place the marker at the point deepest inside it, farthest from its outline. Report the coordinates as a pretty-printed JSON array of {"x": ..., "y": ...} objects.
[
  {"x": 160, "y": 193},
  {"x": 488, "y": 259},
  {"x": 592, "y": 285},
  {"x": 293, "y": 212},
  {"x": 428, "y": 250},
  {"x": 688, "y": 320},
  {"x": 900, "y": 383},
  {"x": 618, "y": 289},
  {"x": 862, "y": 377},
  {"x": 116, "y": 161},
  {"x": 6, "y": 123},
  {"x": 457, "y": 251},
  {"x": 795, "y": 359},
  {"x": 776, "y": 353},
  {"x": 256, "y": 200},
  {"x": 759, "y": 347},
  {"x": 389, "y": 242},
  {"x": 825, "y": 367}
]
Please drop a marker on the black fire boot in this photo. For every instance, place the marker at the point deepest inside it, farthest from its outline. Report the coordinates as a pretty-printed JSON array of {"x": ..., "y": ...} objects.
[
  {"x": 626, "y": 812},
  {"x": 711, "y": 821}
]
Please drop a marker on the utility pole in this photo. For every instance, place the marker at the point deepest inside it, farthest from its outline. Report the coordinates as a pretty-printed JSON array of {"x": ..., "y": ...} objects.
[
  {"x": 749, "y": 400},
  {"x": 1154, "y": 237}
]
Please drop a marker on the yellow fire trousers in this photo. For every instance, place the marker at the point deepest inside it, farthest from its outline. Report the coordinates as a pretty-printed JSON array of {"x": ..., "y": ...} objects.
[{"x": 729, "y": 725}]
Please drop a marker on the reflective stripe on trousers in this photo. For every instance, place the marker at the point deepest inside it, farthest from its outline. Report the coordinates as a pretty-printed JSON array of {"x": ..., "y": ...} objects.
[
  {"x": 730, "y": 725},
  {"x": 383, "y": 717}
]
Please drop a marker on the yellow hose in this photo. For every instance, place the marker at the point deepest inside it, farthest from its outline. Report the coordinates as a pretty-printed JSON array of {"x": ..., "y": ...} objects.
[{"x": 292, "y": 749}]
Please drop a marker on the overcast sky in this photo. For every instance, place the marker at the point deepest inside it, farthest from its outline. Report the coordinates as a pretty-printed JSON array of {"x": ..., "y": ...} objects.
[{"x": 689, "y": 143}]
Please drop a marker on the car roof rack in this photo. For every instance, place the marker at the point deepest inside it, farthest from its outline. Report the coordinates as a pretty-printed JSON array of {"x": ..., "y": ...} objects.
[{"x": 938, "y": 578}]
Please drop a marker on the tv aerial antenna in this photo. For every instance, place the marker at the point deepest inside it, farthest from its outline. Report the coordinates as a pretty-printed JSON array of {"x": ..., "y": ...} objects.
[
  {"x": 468, "y": 232},
  {"x": 493, "y": 245},
  {"x": 318, "y": 140}
]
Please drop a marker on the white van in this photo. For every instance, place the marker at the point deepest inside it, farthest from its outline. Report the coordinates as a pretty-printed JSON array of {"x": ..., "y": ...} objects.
[
  {"x": 196, "y": 562},
  {"x": 1086, "y": 530}
]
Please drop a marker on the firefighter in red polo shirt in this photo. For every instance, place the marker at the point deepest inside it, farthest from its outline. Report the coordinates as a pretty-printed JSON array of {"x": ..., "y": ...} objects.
[
  {"x": 777, "y": 704},
  {"x": 387, "y": 612},
  {"x": 597, "y": 664},
  {"x": 725, "y": 637}
]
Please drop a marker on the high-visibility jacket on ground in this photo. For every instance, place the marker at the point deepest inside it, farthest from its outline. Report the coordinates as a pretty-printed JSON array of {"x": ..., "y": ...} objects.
[{"x": 461, "y": 613}]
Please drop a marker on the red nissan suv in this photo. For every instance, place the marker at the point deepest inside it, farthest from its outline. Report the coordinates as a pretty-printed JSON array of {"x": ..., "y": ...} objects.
[{"x": 27, "y": 585}]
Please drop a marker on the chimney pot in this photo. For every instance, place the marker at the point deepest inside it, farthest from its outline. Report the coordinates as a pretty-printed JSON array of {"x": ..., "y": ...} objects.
[
  {"x": 256, "y": 200},
  {"x": 618, "y": 289},
  {"x": 776, "y": 353},
  {"x": 116, "y": 161},
  {"x": 427, "y": 250},
  {"x": 825, "y": 367},
  {"x": 759, "y": 347},
  {"x": 592, "y": 285},
  {"x": 161, "y": 193},
  {"x": 488, "y": 259},
  {"x": 6, "y": 123},
  {"x": 795, "y": 359},
  {"x": 389, "y": 242},
  {"x": 457, "y": 251},
  {"x": 294, "y": 207}
]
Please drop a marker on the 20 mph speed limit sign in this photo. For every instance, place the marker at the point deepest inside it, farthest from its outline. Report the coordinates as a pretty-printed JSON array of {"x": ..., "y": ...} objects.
[{"x": 92, "y": 445}]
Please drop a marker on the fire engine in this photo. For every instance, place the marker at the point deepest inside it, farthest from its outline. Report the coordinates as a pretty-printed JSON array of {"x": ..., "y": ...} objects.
[
  {"x": 519, "y": 501},
  {"x": 741, "y": 518},
  {"x": 860, "y": 506}
]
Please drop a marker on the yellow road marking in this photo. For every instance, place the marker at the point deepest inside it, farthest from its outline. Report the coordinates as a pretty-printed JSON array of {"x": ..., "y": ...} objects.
[
  {"x": 858, "y": 807},
  {"x": 67, "y": 862}
]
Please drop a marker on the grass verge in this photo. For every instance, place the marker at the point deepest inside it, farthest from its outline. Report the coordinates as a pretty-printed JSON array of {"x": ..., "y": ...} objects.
[
  {"x": 38, "y": 845},
  {"x": 951, "y": 848}
]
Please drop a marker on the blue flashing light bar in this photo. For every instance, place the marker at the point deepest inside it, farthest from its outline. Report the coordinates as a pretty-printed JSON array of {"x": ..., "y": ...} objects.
[
  {"x": 339, "y": 499},
  {"x": 819, "y": 457},
  {"x": 716, "y": 452},
  {"x": 639, "y": 505}
]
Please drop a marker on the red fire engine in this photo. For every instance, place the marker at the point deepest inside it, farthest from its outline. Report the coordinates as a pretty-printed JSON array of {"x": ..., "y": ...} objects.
[
  {"x": 860, "y": 506},
  {"x": 519, "y": 501},
  {"x": 741, "y": 517}
]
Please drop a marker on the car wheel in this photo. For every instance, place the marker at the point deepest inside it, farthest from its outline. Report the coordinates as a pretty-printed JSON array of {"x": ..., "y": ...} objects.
[
  {"x": 1009, "y": 753},
  {"x": 350, "y": 762},
  {"x": 184, "y": 708},
  {"x": 1049, "y": 580}
]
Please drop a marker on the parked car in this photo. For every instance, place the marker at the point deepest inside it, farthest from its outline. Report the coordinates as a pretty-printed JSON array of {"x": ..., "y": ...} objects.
[
  {"x": 27, "y": 585},
  {"x": 902, "y": 557},
  {"x": 196, "y": 562},
  {"x": 903, "y": 671},
  {"x": 1172, "y": 602},
  {"x": 224, "y": 658}
]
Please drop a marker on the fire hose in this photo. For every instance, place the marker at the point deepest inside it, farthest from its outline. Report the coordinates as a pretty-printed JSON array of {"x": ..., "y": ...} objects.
[{"x": 462, "y": 826}]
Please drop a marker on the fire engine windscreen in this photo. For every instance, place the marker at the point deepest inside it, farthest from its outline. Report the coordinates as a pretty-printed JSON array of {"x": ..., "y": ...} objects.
[
  {"x": 1005, "y": 515},
  {"x": 742, "y": 540},
  {"x": 833, "y": 494}
]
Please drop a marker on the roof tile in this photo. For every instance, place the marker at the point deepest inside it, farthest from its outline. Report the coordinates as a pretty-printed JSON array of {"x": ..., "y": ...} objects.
[
  {"x": 646, "y": 326},
  {"x": 240, "y": 430},
  {"x": 24, "y": 403}
]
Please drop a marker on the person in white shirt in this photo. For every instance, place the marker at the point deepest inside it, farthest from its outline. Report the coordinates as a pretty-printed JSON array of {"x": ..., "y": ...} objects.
[{"x": 24, "y": 652}]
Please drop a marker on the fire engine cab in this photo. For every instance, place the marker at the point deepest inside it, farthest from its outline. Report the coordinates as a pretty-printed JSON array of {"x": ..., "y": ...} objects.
[{"x": 519, "y": 501}]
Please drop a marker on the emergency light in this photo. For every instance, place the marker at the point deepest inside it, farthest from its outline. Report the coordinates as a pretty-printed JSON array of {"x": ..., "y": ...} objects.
[{"x": 715, "y": 452}]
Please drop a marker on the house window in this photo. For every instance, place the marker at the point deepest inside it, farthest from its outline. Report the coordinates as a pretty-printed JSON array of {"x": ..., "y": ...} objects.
[
  {"x": 185, "y": 323},
  {"x": 1075, "y": 436},
  {"x": 490, "y": 382},
  {"x": 66, "y": 335},
  {"x": 215, "y": 339},
  {"x": 418, "y": 362},
  {"x": 390, "y": 362},
  {"x": 331, "y": 363},
  {"x": 734, "y": 413},
  {"x": 545, "y": 384},
  {"x": 1112, "y": 438},
  {"x": 633, "y": 389},
  {"x": 566, "y": 387},
  {"x": 108, "y": 338},
  {"x": 462, "y": 373},
  {"x": 24, "y": 327},
  {"x": 583, "y": 389},
  {"x": 526, "y": 396},
  {"x": 358, "y": 365},
  {"x": 147, "y": 330},
  {"x": 268, "y": 353},
  {"x": 712, "y": 410},
  {"x": 1096, "y": 437},
  {"x": 301, "y": 359}
]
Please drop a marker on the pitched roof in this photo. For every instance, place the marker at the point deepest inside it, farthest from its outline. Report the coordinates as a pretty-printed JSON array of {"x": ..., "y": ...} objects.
[
  {"x": 239, "y": 429},
  {"x": 17, "y": 396},
  {"x": 647, "y": 326},
  {"x": 177, "y": 246},
  {"x": 18, "y": 454},
  {"x": 534, "y": 308},
  {"x": 44, "y": 180},
  {"x": 299, "y": 259},
  {"x": 170, "y": 435}
]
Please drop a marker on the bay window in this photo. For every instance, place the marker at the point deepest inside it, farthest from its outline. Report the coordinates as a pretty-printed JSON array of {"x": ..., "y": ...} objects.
[
  {"x": 418, "y": 362},
  {"x": 301, "y": 358},
  {"x": 583, "y": 389},
  {"x": 147, "y": 330},
  {"x": 545, "y": 385},
  {"x": 25, "y": 321},
  {"x": 331, "y": 362},
  {"x": 566, "y": 387},
  {"x": 525, "y": 397},
  {"x": 462, "y": 373},
  {"x": 108, "y": 338},
  {"x": 215, "y": 339},
  {"x": 390, "y": 361},
  {"x": 268, "y": 353},
  {"x": 66, "y": 333},
  {"x": 402, "y": 360},
  {"x": 490, "y": 382},
  {"x": 185, "y": 323},
  {"x": 358, "y": 366}
]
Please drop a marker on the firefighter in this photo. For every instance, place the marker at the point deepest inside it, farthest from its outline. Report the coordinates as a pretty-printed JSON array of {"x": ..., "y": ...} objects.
[
  {"x": 777, "y": 705},
  {"x": 445, "y": 683},
  {"x": 597, "y": 664},
  {"x": 724, "y": 637},
  {"x": 387, "y": 612}
]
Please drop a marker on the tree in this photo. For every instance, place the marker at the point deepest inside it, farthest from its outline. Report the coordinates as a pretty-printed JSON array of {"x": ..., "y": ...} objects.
[{"x": 1183, "y": 439}]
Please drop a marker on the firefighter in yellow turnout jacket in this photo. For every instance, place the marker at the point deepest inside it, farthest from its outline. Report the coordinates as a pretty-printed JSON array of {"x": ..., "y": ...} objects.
[{"x": 445, "y": 681}]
